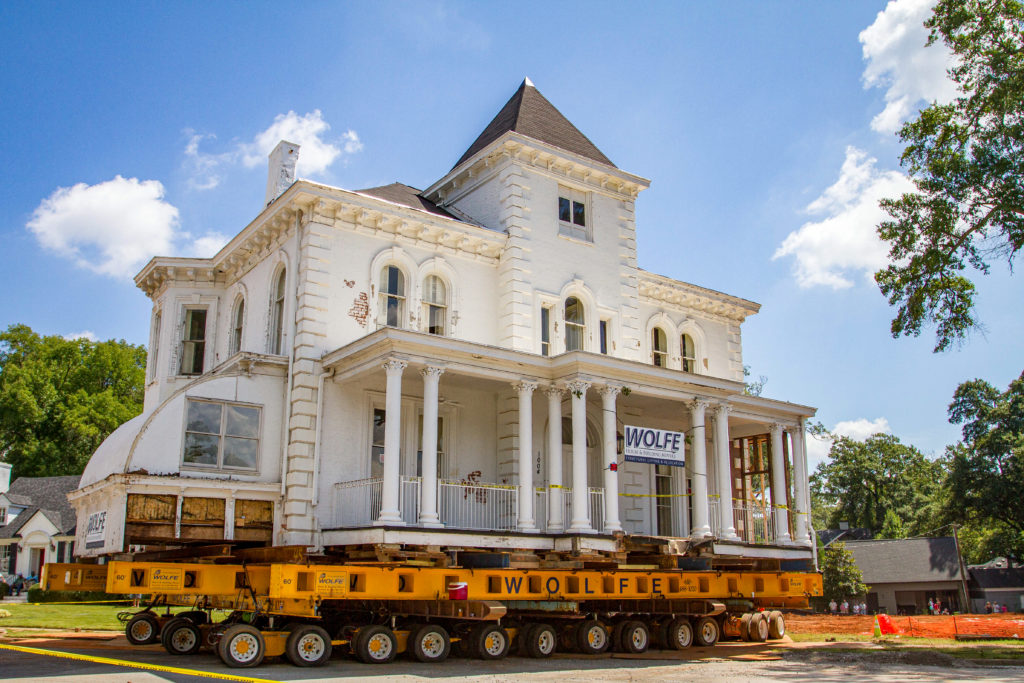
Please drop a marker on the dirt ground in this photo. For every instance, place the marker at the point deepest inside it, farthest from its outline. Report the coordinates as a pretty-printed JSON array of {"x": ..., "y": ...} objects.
[{"x": 995, "y": 625}]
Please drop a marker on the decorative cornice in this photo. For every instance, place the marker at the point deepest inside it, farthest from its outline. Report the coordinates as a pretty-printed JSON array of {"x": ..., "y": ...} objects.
[{"x": 662, "y": 290}]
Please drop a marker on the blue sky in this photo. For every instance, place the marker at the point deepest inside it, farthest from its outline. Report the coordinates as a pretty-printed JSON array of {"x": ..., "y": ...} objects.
[{"x": 766, "y": 128}]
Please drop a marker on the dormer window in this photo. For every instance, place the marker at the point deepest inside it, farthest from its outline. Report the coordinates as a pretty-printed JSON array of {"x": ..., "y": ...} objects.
[{"x": 572, "y": 214}]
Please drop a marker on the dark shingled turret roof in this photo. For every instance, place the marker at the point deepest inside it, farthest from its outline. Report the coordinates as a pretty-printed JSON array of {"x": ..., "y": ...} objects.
[{"x": 530, "y": 114}]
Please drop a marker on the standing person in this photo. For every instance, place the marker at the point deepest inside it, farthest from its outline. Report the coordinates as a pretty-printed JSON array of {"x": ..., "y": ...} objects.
[
  {"x": 1004, "y": 609},
  {"x": 845, "y": 607},
  {"x": 938, "y": 606},
  {"x": 832, "y": 606},
  {"x": 863, "y": 608},
  {"x": 931, "y": 606},
  {"x": 988, "y": 607}
]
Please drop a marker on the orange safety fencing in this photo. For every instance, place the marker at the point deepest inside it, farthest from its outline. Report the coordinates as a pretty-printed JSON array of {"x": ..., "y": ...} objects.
[{"x": 951, "y": 626}]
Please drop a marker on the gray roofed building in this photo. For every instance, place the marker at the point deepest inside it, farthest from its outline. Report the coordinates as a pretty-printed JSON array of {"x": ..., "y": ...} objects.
[
  {"x": 529, "y": 113},
  {"x": 903, "y": 574},
  {"x": 39, "y": 520},
  {"x": 49, "y": 494}
]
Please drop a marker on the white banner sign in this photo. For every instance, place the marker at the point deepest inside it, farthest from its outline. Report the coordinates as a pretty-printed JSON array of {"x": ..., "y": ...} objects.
[
  {"x": 654, "y": 446},
  {"x": 94, "y": 532}
]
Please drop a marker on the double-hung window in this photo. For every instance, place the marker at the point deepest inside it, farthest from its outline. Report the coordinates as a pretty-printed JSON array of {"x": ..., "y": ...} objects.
[
  {"x": 575, "y": 324},
  {"x": 221, "y": 436},
  {"x": 392, "y": 296},
  {"x": 545, "y": 331},
  {"x": 572, "y": 214},
  {"x": 659, "y": 347},
  {"x": 193, "y": 342},
  {"x": 277, "y": 314},
  {"x": 238, "y": 322},
  {"x": 435, "y": 305},
  {"x": 689, "y": 353}
]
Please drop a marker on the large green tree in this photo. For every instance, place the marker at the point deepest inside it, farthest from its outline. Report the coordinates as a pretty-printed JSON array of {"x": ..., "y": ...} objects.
[
  {"x": 59, "y": 398},
  {"x": 986, "y": 479},
  {"x": 841, "y": 577},
  {"x": 966, "y": 160},
  {"x": 863, "y": 481}
]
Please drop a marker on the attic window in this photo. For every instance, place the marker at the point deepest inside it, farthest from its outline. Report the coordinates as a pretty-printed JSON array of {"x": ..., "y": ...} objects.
[{"x": 572, "y": 214}]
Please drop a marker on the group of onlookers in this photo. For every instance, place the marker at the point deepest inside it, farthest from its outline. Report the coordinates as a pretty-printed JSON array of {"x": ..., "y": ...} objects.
[
  {"x": 995, "y": 608},
  {"x": 18, "y": 583},
  {"x": 845, "y": 608}
]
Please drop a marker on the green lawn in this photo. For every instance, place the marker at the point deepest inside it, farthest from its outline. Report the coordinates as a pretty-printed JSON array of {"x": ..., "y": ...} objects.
[
  {"x": 84, "y": 617},
  {"x": 989, "y": 649}
]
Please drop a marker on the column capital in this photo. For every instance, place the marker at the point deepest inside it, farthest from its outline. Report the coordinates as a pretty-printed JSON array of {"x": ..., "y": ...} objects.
[
  {"x": 578, "y": 386},
  {"x": 432, "y": 371},
  {"x": 524, "y": 386},
  {"x": 699, "y": 404},
  {"x": 609, "y": 391},
  {"x": 554, "y": 390},
  {"x": 723, "y": 409},
  {"x": 394, "y": 366},
  {"x": 776, "y": 428}
]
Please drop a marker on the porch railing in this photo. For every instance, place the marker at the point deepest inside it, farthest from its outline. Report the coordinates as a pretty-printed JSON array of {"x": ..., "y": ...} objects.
[
  {"x": 409, "y": 499},
  {"x": 755, "y": 523},
  {"x": 714, "y": 518},
  {"x": 357, "y": 503},
  {"x": 478, "y": 506}
]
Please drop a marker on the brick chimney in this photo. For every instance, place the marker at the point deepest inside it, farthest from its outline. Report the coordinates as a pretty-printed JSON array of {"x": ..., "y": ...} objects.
[{"x": 281, "y": 173}]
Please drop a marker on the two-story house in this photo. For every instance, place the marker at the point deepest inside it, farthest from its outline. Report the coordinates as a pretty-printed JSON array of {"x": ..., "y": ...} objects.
[{"x": 457, "y": 366}]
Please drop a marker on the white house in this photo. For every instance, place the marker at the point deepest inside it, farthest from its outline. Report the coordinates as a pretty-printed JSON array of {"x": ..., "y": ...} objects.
[
  {"x": 455, "y": 366},
  {"x": 37, "y": 525}
]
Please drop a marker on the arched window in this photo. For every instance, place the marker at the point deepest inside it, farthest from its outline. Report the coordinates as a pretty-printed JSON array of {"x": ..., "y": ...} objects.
[
  {"x": 435, "y": 305},
  {"x": 659, "y": 347},
  {"x": 575, "y": 324},
  {"x": 277, "y": 315},
  {"x": 689, "y": 354},
  {"x": 392, "y": 296},
  {"x": 237, "y": 323}
]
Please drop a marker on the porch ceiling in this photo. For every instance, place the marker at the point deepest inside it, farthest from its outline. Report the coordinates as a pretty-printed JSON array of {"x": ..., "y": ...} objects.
[{"x": 471, "y": 362}]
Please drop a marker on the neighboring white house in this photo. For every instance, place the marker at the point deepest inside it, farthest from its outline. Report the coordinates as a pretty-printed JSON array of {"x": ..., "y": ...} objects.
[
  {"x": 453, "y": 366},
  {"x": 37, "y": 525}
]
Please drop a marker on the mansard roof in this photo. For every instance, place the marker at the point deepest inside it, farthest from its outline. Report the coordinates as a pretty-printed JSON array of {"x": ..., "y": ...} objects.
[{"x": 529, "y": 113}]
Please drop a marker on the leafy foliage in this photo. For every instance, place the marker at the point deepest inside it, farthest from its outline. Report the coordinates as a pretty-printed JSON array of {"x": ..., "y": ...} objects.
[
  {"x": 986, "y": 476},
  {"x": 59, "y": 398},
  {"x": 841, "y": 577},
  {"x": 966, "y": 160},
  {"x": 753, "y": 387},
  {"x": 863, "y": 481}
]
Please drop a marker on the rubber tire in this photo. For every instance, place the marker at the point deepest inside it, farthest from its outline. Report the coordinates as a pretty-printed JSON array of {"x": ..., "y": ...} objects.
[
  {"x": 634, "y": 637},
  {"x": 776, "y": 625},
  {"x": 293, "y": 647},
  {"x": 744, "y": 627},
  {"x": 758, "y": 628},
  {"x": 707, "y": 632},
  {"x": 615, "y": 637},
  {"x": 522, "y": 638},
  {"x": 415, "y": 643},
  {"x": 196, "y": 616},
  {"x": 482, "y": 634},
  {"x": 584, "y": 642},
  {"x": 234, "y": 633},
  {"x": 172, "y": 628},
  {"x": 674, "y": 633},
  {"x": 153, "y": 633},
  {"x": 542, "y": 641},
  {"x": 362, "y": 644}
]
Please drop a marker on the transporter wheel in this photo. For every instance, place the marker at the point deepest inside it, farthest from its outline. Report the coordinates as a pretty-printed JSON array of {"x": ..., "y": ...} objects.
[
  {"x": 142, "y": 629},
  {"x": 181, "y": 637},
  {"x": 308, "y": 645},
  {"x": 634, "y": 637},
  {"x": 430, "y": 643},
  {"x": 707, "y": 631},
  {"x": 776, "y": 625},
  {"x": 758, "y": 627},
  {"x": 491, "y": 641},
  {"x": 745, "y": 626},
  {"x": 376, "y": 645},
  {"x": 242, "y": 646},
  {"x": 592, "y": 637},
  {"x": 540, "y": 640},
  {"x": 679, "y": 634}
]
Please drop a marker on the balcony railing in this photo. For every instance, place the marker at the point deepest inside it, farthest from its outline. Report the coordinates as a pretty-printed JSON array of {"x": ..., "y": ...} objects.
[{"x": 755, "y": 523}]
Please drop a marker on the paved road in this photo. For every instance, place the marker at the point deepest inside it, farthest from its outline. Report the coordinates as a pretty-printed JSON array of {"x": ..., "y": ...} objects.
[{"x": 724, "y": 663}]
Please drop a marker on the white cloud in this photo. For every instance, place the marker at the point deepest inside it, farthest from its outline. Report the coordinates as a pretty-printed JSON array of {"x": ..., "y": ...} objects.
[
  {"x": 207, "y": 246},
  {"x": 897, "y": 60},
  {"x": 84, "y": 334},
  {"x": 859, "y": 429},
  {"x": 316, "y": 153},
  {"x": 111, "y": 228},
  {"x": 310, "y": 131},
  {"x": 828, "y": 251}
]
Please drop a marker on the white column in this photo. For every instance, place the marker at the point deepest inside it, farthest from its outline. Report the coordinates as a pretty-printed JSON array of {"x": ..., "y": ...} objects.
[
  {"x": 389, "y": 512},
  {"x": 800, "y": 526},
  {"x": 428, "y": 481},
  {"x": 611, "y": 474},
  {"x": 724, "y": 460},
  {"x": 699, "y": 527},
  {"x": 580, "y": 488},
  {"x": 526, "y": 520},
  {"x": 779, "y": 486},
  {"x": 556, "y": 506}
]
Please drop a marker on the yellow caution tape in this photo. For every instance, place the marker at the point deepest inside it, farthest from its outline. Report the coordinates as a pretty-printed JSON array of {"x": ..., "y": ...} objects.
[
  {"x": 655, "y": 495},
  {"x": 83, "y": 602},
  {"x": 133, "y": 665}
]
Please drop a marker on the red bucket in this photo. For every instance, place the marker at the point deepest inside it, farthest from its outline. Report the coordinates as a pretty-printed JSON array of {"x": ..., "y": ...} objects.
[{"x": 458, "y": 591}]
